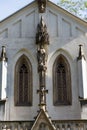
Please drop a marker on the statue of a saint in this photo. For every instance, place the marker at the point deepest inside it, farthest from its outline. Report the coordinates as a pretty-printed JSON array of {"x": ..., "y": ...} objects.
[{"x": 41, "y": 56}]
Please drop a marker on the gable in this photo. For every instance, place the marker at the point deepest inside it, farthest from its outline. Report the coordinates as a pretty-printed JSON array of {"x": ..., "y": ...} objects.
[
  {"x": 62, "y": 21},
  {"x": 43, "y": 122},
  {"x": 20, "y": 24},
  {"x": 24, "y": 23}
]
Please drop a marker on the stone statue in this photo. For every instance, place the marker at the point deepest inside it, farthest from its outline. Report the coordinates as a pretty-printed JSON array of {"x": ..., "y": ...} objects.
[
  {"x": 41, "y": 57},
  {"x": 42, "y": 5},
  {"x": 42, "y": 39},
  {"x": 42, "y": 36}
]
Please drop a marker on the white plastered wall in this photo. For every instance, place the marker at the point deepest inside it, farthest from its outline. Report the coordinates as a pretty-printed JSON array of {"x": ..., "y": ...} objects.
[
  {"x": 63, "y": 112},
  {"x": 22, "y": 113}
]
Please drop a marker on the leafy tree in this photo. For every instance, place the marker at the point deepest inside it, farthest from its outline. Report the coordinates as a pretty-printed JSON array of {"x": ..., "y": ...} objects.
[{"x": 78, "y": 8}]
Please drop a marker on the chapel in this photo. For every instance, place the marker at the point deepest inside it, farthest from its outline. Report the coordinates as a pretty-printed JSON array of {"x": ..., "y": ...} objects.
[{"x": 43, "y": 69}]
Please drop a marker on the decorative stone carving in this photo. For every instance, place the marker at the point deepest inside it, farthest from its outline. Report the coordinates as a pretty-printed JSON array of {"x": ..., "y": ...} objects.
[
  {"x": 41, "y": 56},
  {"x": 42, "y": 36},
  {"x": 42, "y": 40},
  {"x": 43, "y": 122},
  {"x": 3, "y": 54},
  {"x": 42, "y": 93},
  {"x": 43, "y": 126},
  {"x": 80, "y": 53},
  {"x": 42, "y": 5}
]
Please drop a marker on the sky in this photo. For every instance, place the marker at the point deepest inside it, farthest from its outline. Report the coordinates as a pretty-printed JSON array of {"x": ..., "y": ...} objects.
[{"x": 8, "y": 7}]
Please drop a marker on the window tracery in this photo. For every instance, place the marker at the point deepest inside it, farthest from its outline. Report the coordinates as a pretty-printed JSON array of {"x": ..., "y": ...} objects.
[
  {"x": 61, "y": 81},
  {"x": 23, "y": 82}
]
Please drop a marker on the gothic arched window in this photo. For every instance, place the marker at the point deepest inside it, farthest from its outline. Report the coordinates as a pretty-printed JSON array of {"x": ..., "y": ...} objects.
[
  {"x": 23, "y": 82},
  {"x": 61, "y": 81}
]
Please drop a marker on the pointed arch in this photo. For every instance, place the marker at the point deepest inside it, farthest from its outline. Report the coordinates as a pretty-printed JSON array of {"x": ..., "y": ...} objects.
[
  {"x": 61, "y": 81},
  {"x": 23, "y": 82}
]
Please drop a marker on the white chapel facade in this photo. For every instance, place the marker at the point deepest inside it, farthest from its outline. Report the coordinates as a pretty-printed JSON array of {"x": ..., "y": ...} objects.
[{"x": 43, "y": 65}]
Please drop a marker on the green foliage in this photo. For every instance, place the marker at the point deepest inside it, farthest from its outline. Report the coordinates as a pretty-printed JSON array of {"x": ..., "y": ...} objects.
[
  {"x": 77, "y": 8},
  {"x": 85, "y": 4},
  {"x": 66, "y": 1}
]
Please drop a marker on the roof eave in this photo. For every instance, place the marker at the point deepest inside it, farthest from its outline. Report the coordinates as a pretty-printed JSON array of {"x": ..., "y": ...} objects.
[{"x": 68, "y": 13}]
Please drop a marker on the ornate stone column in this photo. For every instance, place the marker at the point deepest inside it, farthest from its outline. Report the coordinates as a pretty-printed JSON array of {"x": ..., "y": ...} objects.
[{"x": 42, "y": 41}]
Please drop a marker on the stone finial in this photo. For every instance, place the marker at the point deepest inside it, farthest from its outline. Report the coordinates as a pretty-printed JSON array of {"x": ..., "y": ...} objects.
[
  {"x": 42, "y": 36},
  {"x": 3, "y": 54},
  {"x": 42, "y": 5},
  {"x": 81, "y": 55}
]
